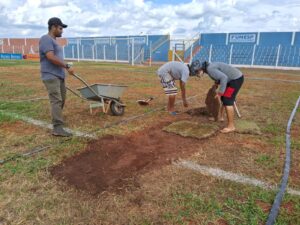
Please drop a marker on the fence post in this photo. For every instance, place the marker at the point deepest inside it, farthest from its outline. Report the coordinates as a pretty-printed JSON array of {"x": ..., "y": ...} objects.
[
  {"x": 150, "y": 59},
  {"x": 253, "y": 55},
  {"x": 78, "y": 50},
  {"x": 22, "y": 49},
  {"x": 173, "y": 54},
  {"x": 96, "y": 52},
  {"x": 210, "y": 52},
  {"x": 82, "y": 52},
  {"x": 104, "y": 52},
  {"x": 132, "y": 52},
  {"x": 116, "y": 49},
  {"x": 230, "y": 54},
  {"x": 73, "y": 57},
  {"x": 278, "y": 53},
  {"x": 191, "y": 55},
  {"x": 93, "y": 52}
]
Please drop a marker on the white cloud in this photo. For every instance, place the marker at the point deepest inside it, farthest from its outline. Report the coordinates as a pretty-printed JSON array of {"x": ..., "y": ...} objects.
[
  {"x": 28, "y": 18},
  {"x": 53, "y": 3}
]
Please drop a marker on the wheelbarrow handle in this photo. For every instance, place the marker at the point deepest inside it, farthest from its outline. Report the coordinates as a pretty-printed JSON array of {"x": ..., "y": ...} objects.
[
  {"x": 86, "y": 84},
  {"x": 82, "y": 80}
]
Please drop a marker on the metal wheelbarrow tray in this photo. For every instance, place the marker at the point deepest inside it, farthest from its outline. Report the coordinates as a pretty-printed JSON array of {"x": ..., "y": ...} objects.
[
  {"x": 103, "y": 90},
  {"x": 106, "y": 96}
]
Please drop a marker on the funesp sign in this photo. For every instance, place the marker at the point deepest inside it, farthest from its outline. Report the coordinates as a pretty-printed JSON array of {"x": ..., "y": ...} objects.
[{"x": 242, "y": 38}]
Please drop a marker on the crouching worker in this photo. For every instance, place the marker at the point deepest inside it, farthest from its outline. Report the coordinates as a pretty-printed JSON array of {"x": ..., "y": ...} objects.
[
  {"x": 170, "y": 72},
  {"x": 229, "y": 79}
]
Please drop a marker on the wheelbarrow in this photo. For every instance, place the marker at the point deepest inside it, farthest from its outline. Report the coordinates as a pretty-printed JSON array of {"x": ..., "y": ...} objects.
[{"x": 106, "y": 96}]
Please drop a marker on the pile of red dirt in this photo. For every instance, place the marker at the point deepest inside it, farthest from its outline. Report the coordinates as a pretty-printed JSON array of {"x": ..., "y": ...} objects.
[{"x": 113, "y": 162}]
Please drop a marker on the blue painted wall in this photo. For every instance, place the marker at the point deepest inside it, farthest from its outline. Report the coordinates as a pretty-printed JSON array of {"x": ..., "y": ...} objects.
[
  {"x": 11, "y": 56},
  {"x": 86, "y": 45},
  {"x": 275, "y": 38},
  {"x": 207, "y": 39},
  {"x": 264, "y": 46}
]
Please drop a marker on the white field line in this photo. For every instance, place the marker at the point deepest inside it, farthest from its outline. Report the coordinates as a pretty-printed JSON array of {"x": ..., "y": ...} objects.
[
  {"x": 44, "y": 124},
  {"x": 238, "y": 178},
  {"x": 271, "y": 79}
]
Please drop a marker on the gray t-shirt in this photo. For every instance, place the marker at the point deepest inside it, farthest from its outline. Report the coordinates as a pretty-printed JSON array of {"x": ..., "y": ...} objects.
[
  {"x": 177, "y": 70},
  {"x": 48, "y": 69},
  {"x": 223, "y": 73}
]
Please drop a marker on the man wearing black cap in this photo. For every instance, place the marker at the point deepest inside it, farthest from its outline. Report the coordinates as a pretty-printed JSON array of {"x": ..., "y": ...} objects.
[{"x": 53, "y": 74}]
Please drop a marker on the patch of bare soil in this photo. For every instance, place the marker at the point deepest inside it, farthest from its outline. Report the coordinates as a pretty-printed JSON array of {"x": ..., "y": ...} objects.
[{"x": 113, "y": 162}]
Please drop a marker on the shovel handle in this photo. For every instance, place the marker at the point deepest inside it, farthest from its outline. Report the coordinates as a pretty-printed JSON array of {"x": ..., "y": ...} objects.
[{"x": 237, "y": 110}]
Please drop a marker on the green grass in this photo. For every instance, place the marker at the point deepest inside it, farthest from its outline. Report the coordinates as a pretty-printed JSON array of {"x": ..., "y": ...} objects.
[
  {"x": 31, "y": 109},
  {"x": 193, "y": 207},
  {"x": 9, "y": 89},
  {"x": 142, "y": 85},
  {"x": 24, "y": 166},
  {"x": 266, "y": 160},
  {"x": 295, "y": 144},
  {"x": 5, "y": 118},
  {"x": 18, "y": 164},
  {"x": 28, "y": 191},
  {"x": 237, "y": 205},
  {"x": 11, "y": 63}
]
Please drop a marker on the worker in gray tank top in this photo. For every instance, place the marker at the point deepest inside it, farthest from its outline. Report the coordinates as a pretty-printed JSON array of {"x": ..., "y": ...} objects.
[
  {"x": 229, "y": 79},
  {"x": 168, "y": 74}
]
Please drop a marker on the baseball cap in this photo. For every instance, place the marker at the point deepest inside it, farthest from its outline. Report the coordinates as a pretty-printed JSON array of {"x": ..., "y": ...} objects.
[
  {"x": 56, "y": 21},
  {"x": 196, "y": 65}
]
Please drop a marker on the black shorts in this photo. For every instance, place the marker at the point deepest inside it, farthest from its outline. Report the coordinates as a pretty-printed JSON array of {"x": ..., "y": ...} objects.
[{"x": 231, "y": 91}]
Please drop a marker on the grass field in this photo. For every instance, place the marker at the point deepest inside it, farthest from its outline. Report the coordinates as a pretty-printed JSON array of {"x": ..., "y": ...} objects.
[{"x": 158, "y": 193}]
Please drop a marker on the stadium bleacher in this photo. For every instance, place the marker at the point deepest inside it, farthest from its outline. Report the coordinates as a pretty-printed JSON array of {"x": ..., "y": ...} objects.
[{"x": 275, "y": 49}]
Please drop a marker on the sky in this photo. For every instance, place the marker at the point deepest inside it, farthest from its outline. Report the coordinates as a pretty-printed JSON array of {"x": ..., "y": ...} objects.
[{"x": 179, "y": 18}]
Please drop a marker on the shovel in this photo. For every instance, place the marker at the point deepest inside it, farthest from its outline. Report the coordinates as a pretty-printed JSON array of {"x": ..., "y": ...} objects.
[
  {"x": 236, "y": 110},
  {"x": 144, "y": 102}
]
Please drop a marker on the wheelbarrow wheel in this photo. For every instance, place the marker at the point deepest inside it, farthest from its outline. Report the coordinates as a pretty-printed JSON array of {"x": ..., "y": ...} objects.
[{"x": 117, "y": 109}]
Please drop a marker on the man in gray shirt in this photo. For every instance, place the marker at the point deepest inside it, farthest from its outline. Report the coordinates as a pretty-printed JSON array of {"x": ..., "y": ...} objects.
[
  {"x": 230, "y": 80},
  {"x": 53, "y": 74},
  {"x": 168, "y": 73}
]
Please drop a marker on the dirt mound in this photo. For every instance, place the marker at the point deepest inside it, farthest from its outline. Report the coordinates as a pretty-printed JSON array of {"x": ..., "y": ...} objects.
[{"x": 112, "y": 162}]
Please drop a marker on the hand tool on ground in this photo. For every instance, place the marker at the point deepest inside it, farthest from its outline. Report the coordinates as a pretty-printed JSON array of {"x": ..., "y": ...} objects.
[{"x": 144, "y": 101}]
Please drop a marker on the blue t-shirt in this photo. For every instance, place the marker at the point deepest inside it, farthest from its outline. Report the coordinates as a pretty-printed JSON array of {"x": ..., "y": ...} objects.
[{"x": 48, "y": 69}]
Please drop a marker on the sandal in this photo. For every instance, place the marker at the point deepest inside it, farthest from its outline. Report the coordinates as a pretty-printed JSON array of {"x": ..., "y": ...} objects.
[
  {"x": 227, "y": 130},
  {"x": 174, "y": 113}
]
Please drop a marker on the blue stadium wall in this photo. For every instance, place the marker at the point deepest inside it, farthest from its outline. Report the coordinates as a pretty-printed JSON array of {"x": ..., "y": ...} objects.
[
  {"x": 145, "y": 42},
  {"x": 252, "y": 48}
]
